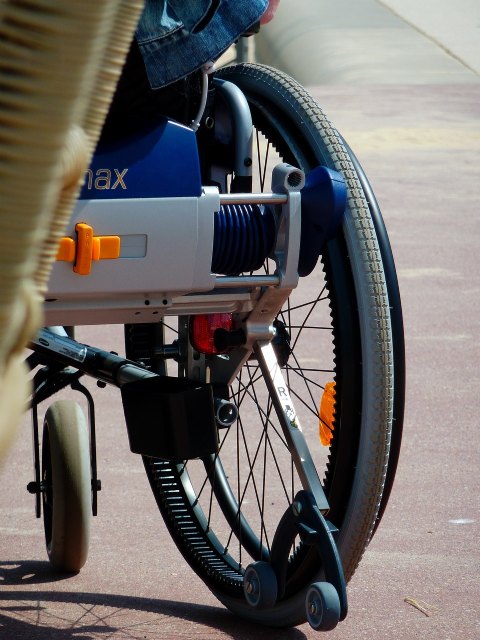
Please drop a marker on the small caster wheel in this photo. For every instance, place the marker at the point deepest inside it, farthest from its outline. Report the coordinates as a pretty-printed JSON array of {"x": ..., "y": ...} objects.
[
  {"x": 260, "y": 585},
  {"x": 323, "y": 606},
  {"x": 67, "y": 494}
]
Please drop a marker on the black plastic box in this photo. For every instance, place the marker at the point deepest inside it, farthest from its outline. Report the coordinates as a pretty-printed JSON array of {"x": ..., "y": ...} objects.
[{"x": 170, "y": 418}]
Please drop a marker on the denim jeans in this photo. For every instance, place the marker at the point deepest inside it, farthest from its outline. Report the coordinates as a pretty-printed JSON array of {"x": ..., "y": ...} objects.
[{"x": 176, "y": 37}]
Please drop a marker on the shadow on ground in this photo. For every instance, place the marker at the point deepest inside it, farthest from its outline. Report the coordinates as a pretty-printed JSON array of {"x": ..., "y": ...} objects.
[{"x": 47, "y": 615}]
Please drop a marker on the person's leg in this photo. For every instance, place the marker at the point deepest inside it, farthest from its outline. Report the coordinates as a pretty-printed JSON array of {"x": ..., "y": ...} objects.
[{"x": 136, "y": 105}]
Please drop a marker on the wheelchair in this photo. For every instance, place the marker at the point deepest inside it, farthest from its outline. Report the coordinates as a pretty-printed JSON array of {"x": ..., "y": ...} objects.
[{"x": 263, "y": 377}]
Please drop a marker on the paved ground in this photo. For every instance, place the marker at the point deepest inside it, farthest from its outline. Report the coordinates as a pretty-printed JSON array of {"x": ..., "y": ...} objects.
[
  {"x": 369, "y": 41},
  {"x": 419, "y": 144},
  {"x": 453, "y": 26}
]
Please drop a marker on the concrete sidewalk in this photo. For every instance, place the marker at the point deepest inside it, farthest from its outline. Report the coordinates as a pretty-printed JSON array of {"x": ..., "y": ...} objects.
[
  {"x": 400, "y": 80},
  {"x": 453, "y": 26},
  {"x": 418, "y": 147},
  {"x": 372, "y": 42}
]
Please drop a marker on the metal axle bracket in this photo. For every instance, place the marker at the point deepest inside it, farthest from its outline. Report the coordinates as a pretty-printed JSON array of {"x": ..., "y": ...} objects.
[{"x": 305, "y": 520}]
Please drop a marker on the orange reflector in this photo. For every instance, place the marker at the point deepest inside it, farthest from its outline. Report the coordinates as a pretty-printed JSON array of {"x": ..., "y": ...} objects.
[
  {"x": 203, "y": 327},
  {"x": 327, "y": 414}
]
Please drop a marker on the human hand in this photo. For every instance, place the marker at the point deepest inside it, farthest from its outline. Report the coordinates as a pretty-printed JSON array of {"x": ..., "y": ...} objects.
[{"x": 270, "y": 12}]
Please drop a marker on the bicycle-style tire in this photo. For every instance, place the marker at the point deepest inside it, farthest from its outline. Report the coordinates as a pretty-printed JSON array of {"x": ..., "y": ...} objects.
[{"x": 354, "y": 300}]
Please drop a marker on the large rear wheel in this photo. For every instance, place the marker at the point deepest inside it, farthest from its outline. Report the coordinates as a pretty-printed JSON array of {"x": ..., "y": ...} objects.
[{"x": 335, "y": 345}]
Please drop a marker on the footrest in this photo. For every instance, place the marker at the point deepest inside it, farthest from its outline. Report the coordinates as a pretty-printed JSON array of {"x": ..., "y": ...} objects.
[{"x": 170, "y": 418}]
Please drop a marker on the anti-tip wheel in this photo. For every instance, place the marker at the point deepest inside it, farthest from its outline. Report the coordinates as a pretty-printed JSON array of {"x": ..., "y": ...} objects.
[
  {"x": 260, "y": 585},
  {"x": 323, "y": 606}
]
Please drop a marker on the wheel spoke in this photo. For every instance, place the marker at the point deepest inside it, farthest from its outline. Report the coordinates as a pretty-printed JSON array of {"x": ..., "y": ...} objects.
[
  {"x": 264, "y": 415},
  {"x": 305, "y": 380},
  {"x": 307, "y": 406},
  {"x": 253, "y": 473},
  {"x": 312, "y": 305},
  {"x": 300, "y": 373},
  {"x": 308, "y": 370},
  {"x": 320, "y": 298}
]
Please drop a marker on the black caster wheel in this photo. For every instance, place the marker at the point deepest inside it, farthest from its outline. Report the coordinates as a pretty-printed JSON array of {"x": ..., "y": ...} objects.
[
  {"x": 323, "y": 606},
  {"x": 260, "y": 585}
]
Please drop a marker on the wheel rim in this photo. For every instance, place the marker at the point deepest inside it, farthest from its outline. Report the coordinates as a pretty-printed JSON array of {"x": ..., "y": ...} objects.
[
  {"x": 220, "y": 542},
  {"x": 314, "y": 609}
]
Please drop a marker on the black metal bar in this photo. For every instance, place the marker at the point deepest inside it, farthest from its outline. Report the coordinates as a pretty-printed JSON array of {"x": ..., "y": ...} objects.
[
  {"x": 49, "y": 381},
  {"x": 78, "y": 359},
  {"x": 94, "y": 362},
  {"x": 304, "y": 518},
  {"x": 291, "y": 428},
  {"x": 36, "y": 461},
  {"x": 96, "y": 485}
]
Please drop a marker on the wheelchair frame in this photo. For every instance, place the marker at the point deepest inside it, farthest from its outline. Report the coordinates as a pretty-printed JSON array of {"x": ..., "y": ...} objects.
[{"x": 166, "y": 289}]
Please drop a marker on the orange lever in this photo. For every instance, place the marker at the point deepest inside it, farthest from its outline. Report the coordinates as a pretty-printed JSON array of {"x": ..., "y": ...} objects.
[
  {"x": 83, "y": 257},
  {"x": 87, "y": 248}
]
